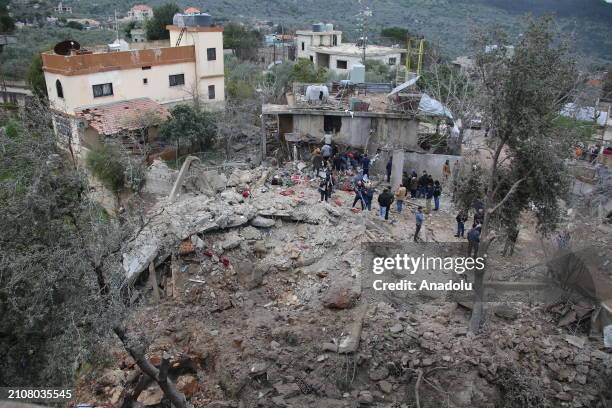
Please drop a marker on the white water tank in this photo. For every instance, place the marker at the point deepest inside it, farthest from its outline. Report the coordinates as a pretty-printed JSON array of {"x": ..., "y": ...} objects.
[
  {"x": 357, "y": 74},
  {"x": 329, "y": 27}
]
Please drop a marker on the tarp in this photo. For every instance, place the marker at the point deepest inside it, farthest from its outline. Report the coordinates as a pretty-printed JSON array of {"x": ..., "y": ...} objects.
[
  {"x": 313, "y": 93},
  {"x": 403, "y": 86},
  {"x": 430, "y": 106}
]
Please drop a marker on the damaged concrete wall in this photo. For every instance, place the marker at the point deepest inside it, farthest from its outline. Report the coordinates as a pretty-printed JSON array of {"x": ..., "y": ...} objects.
[
  {"x": 431, "y": 162},
  {"x": 361, "y": 131}
]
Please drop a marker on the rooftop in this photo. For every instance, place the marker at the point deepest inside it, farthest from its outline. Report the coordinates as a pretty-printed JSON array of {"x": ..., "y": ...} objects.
[
  {"x": 353, "y": 50},
  {"x": 101, "y": 60},
  {"x": 310, "y": 32},
  {"x": 141, "y": 7},
  {"x": 129, "y": 115}
]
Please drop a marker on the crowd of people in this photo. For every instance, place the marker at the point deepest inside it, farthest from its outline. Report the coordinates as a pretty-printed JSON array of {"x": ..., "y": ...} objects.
[{"x": 328, "y": 165}]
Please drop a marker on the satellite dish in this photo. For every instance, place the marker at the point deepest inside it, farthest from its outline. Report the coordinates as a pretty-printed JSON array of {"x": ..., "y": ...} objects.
[{"x": 66, "y": 47}]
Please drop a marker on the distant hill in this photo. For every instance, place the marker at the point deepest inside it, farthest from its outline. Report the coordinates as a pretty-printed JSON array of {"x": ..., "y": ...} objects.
[{"x": 447, "y": 22}]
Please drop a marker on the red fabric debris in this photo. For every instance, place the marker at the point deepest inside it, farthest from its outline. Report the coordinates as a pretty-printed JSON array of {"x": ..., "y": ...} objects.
[
  {"x": 287, "y": 192},
  {"x": 224, "y": 261},
  {"x": 338, "y": 202},
  {"x": 208, "y": 253},
  {"x": 355, "y": 210}
]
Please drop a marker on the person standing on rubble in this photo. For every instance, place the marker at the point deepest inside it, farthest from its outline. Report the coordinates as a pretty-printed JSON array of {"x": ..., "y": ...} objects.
[
  {"x": 368, "y": 196},
  {"x": 400, "y": 196},
  {"x": 419, "y": 219},
  {"x": 437, "y": 192},
  {"x": 473, "y": 237},
  {"x": 365, "y": 165},
  {"x": 446, "y": 171},
  {"x": 429, "y": 193},
  {"x": 414, "y": 185},
  {"x": 326, "y": 153},
  {"x": 388, "y": 168},
  {"x": 358, "y": 189},
  {"x": 326, "y": 187},
  {"x": 478, "y": 217},
  {"x": 461, "y": 218},
  {"x": 422, "y": 185},
  {"x": 317, "y": 162},
  {"x": 385, "y": 199}
]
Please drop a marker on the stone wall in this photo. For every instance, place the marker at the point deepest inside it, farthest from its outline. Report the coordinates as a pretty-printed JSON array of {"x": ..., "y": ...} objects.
[{"x": 431, "y": 162}]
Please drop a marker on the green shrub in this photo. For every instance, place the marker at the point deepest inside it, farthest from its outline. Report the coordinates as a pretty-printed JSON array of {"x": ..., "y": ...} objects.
[{"x": 105, "y": 164}]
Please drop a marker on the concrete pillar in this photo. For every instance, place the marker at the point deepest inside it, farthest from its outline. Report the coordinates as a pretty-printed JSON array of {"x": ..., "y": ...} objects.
[{"x": 397, "y": 169}]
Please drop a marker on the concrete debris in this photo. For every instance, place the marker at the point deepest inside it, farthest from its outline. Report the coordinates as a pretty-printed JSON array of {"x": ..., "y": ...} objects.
[
  {"x": 159, "y": 178},
  {"x": 262, "y": 222}
]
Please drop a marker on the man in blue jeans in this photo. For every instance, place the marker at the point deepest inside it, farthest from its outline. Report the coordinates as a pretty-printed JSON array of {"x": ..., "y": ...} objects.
[
  {"x": 385, "y": 199},
  {"x": 437, "y": 192}
]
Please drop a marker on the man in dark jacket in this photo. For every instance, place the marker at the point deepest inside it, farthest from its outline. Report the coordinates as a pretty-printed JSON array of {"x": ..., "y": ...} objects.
[
  {"x": 473, "y": 237},
  {"x": 422, "y": 185},
  {"x": 385, "y": 199},
  {"x": 414, "y": 185},
  {"x": 429, "y": 193},
  {"x": 478, "y": 217},
  {"x": 359, "y": 189},
  {"x": 437, "y": 192},
  {"x": 365, "y": 164},
  {"x": 368, "y": 196},
  {"x": 461, "y": 219}
]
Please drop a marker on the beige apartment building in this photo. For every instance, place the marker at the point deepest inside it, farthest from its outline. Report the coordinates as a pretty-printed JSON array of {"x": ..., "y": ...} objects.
[
  {"x": 324, "y": 47},
  {"x": 86, "y": 84}
]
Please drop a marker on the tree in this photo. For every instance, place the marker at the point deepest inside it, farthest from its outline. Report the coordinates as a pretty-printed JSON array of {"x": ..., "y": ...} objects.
[
  {"x": 396, "y": 34},
  {"x": 521, "y": 96},
  {"x": 305, "y": 71},
  {"x": 75, "y": 25},
  {"x": 60, "y": 275},
  {"x": 127, "y": 30},
  {"x": 455, "y": 89},
  {"x": 162, "y": 16},
  {"x": 242, "y": 40},
  {"x": 189, "y": 126},
  {"x": 36, "y": 77},
  {"x": 105, "y": 164},
  {"x": 377, "y": 71},
  {"x": 240, "y": 79},
  {"x": 7, "y": 25}
]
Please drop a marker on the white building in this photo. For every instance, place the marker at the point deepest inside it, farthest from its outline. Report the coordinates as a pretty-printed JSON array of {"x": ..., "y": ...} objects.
[
  {"x": 140, "y": 12},
  {"x": 152, "y": 75},
  {"x": 323, "y": 45}
]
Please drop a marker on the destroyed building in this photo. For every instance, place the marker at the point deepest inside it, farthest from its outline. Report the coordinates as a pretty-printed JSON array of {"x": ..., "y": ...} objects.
[{"x": 376, "y": 118}]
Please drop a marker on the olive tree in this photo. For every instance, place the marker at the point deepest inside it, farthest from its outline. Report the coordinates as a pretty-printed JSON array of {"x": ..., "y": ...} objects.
[{"x": 522, "y": 90}]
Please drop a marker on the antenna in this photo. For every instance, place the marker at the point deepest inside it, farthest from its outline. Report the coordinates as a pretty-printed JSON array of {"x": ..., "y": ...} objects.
[{"x": 116, "y": 26}]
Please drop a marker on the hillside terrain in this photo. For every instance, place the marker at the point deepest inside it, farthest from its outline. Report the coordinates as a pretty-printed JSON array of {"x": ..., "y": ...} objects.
[{"x": 446, "y": 22}]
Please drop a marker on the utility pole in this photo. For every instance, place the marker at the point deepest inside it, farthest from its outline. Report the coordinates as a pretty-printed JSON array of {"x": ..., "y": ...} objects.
[{"x": 362, "y": 19}]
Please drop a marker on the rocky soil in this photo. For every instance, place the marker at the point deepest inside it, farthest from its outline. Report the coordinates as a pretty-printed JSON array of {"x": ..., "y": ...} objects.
[{"x": 266, "y": 309}]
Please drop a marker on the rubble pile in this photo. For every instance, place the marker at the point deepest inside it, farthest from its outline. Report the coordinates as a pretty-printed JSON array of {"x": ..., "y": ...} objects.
[{"x": 269, "y": 312}]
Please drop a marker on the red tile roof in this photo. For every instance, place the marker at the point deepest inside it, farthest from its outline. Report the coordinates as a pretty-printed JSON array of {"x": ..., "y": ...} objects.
[
  {"x": 115, "y": 117},
  {"x": 191, "y": 10},
  {"x": 141, "y": 7}
]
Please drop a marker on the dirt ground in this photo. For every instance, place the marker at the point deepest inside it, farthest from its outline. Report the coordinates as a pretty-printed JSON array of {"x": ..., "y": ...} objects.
[{"x": 260, "y": 316}]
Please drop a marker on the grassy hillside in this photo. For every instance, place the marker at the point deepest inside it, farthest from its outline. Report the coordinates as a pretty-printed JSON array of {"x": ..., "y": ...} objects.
[{"x": 446, "y": 22}]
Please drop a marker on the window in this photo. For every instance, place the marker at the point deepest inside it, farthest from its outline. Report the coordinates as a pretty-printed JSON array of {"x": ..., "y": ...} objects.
[
  {"x": 211, "y": 92},
  {"x": 332, "y": 124},
  {"x": 102, "y": 90},
  {"x": 311, "y": 59},
  {"x": 59, "y": 89},
  {"x": 145, "y": 80},
  {"x": 145, "y": 68},
  {"x": 392, "y": 61},
  {"x": 303, "y": 45},
  {"x": 178, "y": 79},
  {"x": 335, "y": 40},
  {"x": 211, "y": 54},
  {"x": 341, "y": 64}
]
